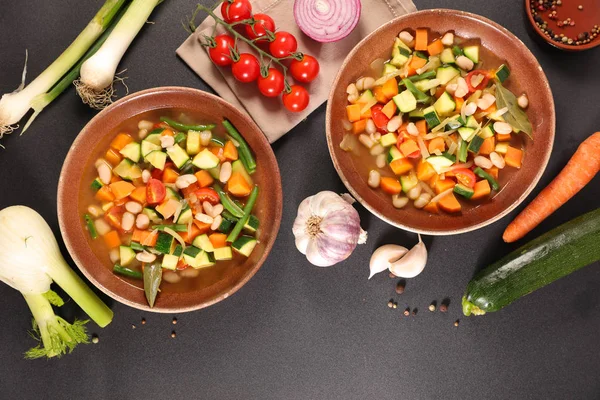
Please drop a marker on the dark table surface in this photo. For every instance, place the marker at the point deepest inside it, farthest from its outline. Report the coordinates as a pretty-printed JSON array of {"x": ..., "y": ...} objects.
[{"x": 296, "y": 331}]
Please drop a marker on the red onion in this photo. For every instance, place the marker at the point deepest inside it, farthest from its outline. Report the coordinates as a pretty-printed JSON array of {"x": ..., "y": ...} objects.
[{"x": 327, "y": 20}]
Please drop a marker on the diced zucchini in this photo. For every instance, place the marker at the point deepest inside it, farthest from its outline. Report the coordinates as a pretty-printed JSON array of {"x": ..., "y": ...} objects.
[
  {"x": 178, "y": 155},
  {"x": 453, "y": 124},
  {"x": 427, "y": 84},
  {"x": 185, "y": 216},
  {"x": 431, "y": 117},
  {"x": 421, "y": 55},
  {"x": 172, "y": 194},
  {"x": 389, "y": 139},
  {"x": 226, "y": 225},
  {"x": 180, "y": 137},
  {"x": 154, "y": 136},
  {"x": 416, "y": 114},
  {"x": 445, "y": 105},
  {"x": 238, "y": 166},
  {"x": 164, "y": 243},
  {"x": 405, "y": 101},
  {"x": 419, "y": 95},
  {"x": 223, "y": 253},
  {"x": 128, "y": 170},
  {"x": 170, "y": 261},
  {"x": 389, "y": 68},
  {"x": 205, "y": 259},
  {"x": 132, "y": 151},
  {"x": 96, "y": 184},
  {"x": 462, "y": 151},
  {"x": 244, "y": 245},
  {"x": 191, "y": 251},
  {"x": 366, "y": 97},
  {"x": 252, "y": 224},
  {"x": 157, "y": 159},
  {"x": 475, "y": 144},
  {"x": 126, "y": 254},
  {"x": 463, "y": 190},
  {"x": 472, "y": 52},
  {"x": 205, "y": 160},
  {"x": 153, "y": 215},
  {"x": 203, "y": 242},
  {"x": 472, "y": 122},
  {"x": 178, "y": 250},
  {"x": 447, "y": 56},
  {"x": 148, "y": 147},
  {"x": 446, "y": 74},
  {"x": 394, "y": 154},
  {"x": 449, "y": 156},
  {"x": 215, "y": 172},
  {"x": 408, "y": 182},
  {"x": 136, "y": 246},
  {"x": 501, "y": 148},
  {"x": 439, "y": 163},
  {"x": 465, "y": 133},
  {"x": 399, "y": 57},
  {"x": 193, "y": 143},
  {"x": 502, "y": 73},
  {"x": 487, "y": 132}
]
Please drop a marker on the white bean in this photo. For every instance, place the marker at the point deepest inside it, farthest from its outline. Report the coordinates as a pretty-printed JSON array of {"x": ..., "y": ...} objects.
[
  {"x": 497, "y": 160},
  {"x": 380, "y": 161},
  {"x": 145, "y": 257},
  {"x": 486, "y": 101},
  {"x": 412, "y": 129},
  {"x": 406, "y": 37},
  {"x": 127, "y": 221},
  {"x": 448, "y": 39},
  {"x": 470, "y": 109},
  {"x": 102, "y": 227},
  {"x": 184, "y": 181},
  {"x": 462, "y": 89},
  {"x": 352, "y": 89},
  {"x": 144, "y": 124},
  {"x": 104, "y": 173},
  {"x": 352, "y": 98},
  {"x": 523, "y": 101},
  {"x": 375, "y": 136},
  {"x": 216, "y": 223},
  {"x": 347, "y": 125},
  {"x": 205, "y": 137},
  {"x": 464, "y": 63},
  {"x": 167, "y": 141},
  {"x": 502, "y": 128},
  {"x": 394, "y": 123},
  {"x": 114, "y": 255},
  {"x": 133, "y": 207},
  {"x": 370, "y": 127},
  {"x": 368, "y": 83},
  {"x": 95, "y": 211},
  {"x": 208, "y": 208},
  {"x": 483, "y": 162},
  {"x": 217, "y": 210},
  {"x": 142, "y": 221},
  {"x": 225, "y": 172},
  {"x": 204, "y": 218},
  {"x": 414, "y": 193},
  {"x": 399, "y": 201},
  {"x": 451, "y": 88},
  {"x": 189, "y": 273},
  {"x": 360, "y": 84},
  {"x": 366, "y": 141},
  {"x": 171, "y": 277},
  {"x": 142, "y": 133},
  {"x": 423, "y": 200},
  {"x": 374, "y": 179},
  {"x": 377, "y": 150},
  {"x": 146, "y": 175}
]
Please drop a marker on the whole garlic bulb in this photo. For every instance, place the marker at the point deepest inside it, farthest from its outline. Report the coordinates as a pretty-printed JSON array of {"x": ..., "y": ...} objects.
[{"x": 327, "y": 228}]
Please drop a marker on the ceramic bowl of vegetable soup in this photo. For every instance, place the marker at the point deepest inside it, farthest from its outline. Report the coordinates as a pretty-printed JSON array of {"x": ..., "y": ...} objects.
[
  {"x": 440, "y": 122},
  {"x": 170, "y": 200}
]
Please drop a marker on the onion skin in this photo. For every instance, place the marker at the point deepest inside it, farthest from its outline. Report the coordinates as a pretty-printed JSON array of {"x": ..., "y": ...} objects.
[{"x": 327, "y": 20}]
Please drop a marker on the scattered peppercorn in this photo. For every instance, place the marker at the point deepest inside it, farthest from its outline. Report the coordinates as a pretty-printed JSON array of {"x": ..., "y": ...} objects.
[
  {"x": 390, "y": 303},
  {"x": 132, "y": 326},
  {"x": 407, "y": 312},
  {"x": 456, "y": 322},
  {"x": 174, "y": 321},
  {"x": 173, "y": 334},
  {"x": 443, "y": 307},
  {"x": 143, "y": 321},
  {"x": 95, "y": 338},
  {"x": 400, "y": 286},
  {"x": 395, "y": 305},
  {"x": 580, "y": 7},
  {"x": 432, "y": 307},
  {"x": 415, "y": 311},
  {"x": 538, "y": 8},
  {"x": 392, "y": 276}
]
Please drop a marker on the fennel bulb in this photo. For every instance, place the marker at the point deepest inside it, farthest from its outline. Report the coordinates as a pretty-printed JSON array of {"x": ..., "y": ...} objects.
[{"x": 30, "y": 261}]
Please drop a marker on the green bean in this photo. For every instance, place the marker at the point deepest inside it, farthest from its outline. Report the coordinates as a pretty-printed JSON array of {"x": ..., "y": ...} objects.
[
  {"x": 228, "y": 204},
  {"x": 218, "y": 141},
  {"x": 175, "y": 227},
  {"x": 89, "y": 223},
  {"x": 127, "y": 272},
  {"x": 242, "y": 222},
  {"x": 482, "y": 174},
  {"x": 183, "y": 127},
  {"x": 244, "y": 151}
]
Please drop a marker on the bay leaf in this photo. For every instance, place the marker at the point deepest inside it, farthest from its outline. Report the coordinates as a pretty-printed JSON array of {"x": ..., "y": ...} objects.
[
  {"x": 152, "y": 279},
  {"x": 515, "y": 115}
]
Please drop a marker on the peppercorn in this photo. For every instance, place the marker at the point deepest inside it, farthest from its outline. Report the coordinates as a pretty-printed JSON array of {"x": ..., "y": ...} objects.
[
  {"x": 95, "y": 338},
  {"x": 395, "y": 306},
  {"x": 456, "y": 322},
  {"x": 580, "y": 7},
  {"x": 390, "y": 303},
  {"x": 391, "y": 275},
  {"x": 400, "y": 286},
  {"x": 132, "y": 326},
  {"x": 174, "y": 320},
  {"x": 173, "y": 334},
  {"x": 415, "y": 311},
  {"x": 432, "y": 306},
  {"x": 443, "y": 307},
  {"x": 407, "y": 312},
  {"x": 143, "y": 321}
]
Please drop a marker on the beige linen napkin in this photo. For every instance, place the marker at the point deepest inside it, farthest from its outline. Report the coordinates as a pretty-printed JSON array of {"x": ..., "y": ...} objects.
[{"x": 269, "y": 113}]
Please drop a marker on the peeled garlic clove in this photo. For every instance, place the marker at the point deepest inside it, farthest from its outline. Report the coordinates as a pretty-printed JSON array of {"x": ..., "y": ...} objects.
[
  {"x": 384, "y": 256},
  {"x": 413, "y": 262}
]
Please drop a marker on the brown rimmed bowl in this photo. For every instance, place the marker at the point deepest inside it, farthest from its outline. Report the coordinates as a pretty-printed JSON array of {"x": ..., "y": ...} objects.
[
  {"x": 97, "y": 135},
  {"x": 526, "y": 74}
]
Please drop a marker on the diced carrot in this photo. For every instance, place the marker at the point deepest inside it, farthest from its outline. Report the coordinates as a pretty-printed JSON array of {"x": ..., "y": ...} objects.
[
  {"x": 204, "y": 178},
  {"x": 459, "y": 102},
  {"x": 230, "y": 151},
  {"x": 408, "y": 147},
  {"x": 421, "y": 39},
  {"x": 513, "y": 157},
  {"x": 218, "y": 240},
  {"x": 167, "y": 132},
  {"x": 190, "y": 235},
  {"x": 121, "y": 141},
  {"x": 487, "y": 146},
  {"x": 366, "y": 114},
  {"x": 120, "y": 202},
  {"x": 104, "y": 194},
  {"x": 449, "y": 203},
  {"x": 482, "y": 189},
  {"x": 353, "y": 112},
  {"x": 410, "y": 71},
  {"x": 417, "y": 62},
  {"x": 425, "y": 171},
  {"x": 491, "y": 109},
  {"x": 435, "y": 48},
  {"x": 121, "y": 189},
  {"x": 218, "y": 151},
  {"x": 433, "y": 181},
  {"x": 137, "y": 233},
  {"x": 444, "y": 184},
  {"x": 168, "y": 208},
  {"x": 390, "y": 185},
  {"x": 202, "y": 226},
  {"x": 390, "y": 88},
  {"x": 169, "y": 175},
  {"x": 437, "y": 143},
  {"x": 139, "y": 195},
  {"x": 432, "y": 208},
  {"x": 379, "y": 95},
  {"x": 112, "y": 239},
  {"x": 113, "y": 157},
  {"x": 144, "y": 237},
  {"x": 238, "y": 186},
  {"x": 494, "y": 172},
  {"x": 389, "y": 109},
  {"x": 421, "y": 126},
  {"x": 440, "y": 91},
  {"x": 401, "y": 166},
  {"x": 503, "y": 137},
  {"x": 358, "y": 127},
  {"x": 403, "y": 130}
]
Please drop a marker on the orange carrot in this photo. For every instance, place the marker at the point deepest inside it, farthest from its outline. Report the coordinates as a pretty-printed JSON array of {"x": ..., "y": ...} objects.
[
  {"x": 112, "y": 157},
  {"x": 112, "y": 239},
  {"x": 449, "y": 203},
  {"x": 353, "y": 112},
  {"x": 390, "y": 88},
  {"x": 359, "y": 126},
  {"x": 513, "y": 157},
  {"x": 488, "y": 146},
  {"x": 435, "y": 48},
  {"x": 578, "y": 172},
  {"x": 121, "y": 189},
  {"x": 379, "y": 95},
  {"x": 218, "y": 151},
  {"x": 417, "y": 62},
  {"x": 139, "y": 195},
  {"x": 437, "y": 143},
  {"x": 390, "y": 185},
  {"x": 421, "y": 126},
  {"x": 121, "y": 141},
  {"x": 421, "y": 39},
  {"x": 169, "y": 175},
  {"x": 238, "y": 186},
  {"x": 401, "y": 166},
  {"x": 432, "y": 208},
  {"x": 482, "y": 189},
  {"x": 389, "y": 109},
  {"x": 105, "y": 194},
  {"x": 218, "y": 240},
  {"x": 230, "y": 151},
  {"x": 204, "y": 178},
  {"x": 425, "y": 171},
  {"x": 409, "y": 147}
]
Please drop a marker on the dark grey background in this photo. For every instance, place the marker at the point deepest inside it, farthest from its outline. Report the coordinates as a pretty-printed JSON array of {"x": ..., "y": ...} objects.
[{"x": 296, "y": 331}]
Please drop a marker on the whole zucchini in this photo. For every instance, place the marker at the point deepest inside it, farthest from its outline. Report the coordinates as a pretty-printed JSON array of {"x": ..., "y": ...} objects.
[{"x": 553, "y": 255}]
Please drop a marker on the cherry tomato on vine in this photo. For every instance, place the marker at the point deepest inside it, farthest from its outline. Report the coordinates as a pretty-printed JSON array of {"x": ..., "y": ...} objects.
[
  {"x": 283, "y": 45},
  {"x": 236, "y": 10},
  {"x": 272, "y": 85},
  {"x": 297, "y": 99},
  {"x": 220, "y": 54},
  {"x": 263, "y": 23},
  {"x": 246, "y": 69},
  {"x": 305, "y": 70}
]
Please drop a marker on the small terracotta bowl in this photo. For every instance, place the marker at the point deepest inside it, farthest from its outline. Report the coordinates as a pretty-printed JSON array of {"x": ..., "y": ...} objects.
[
  {"x": 526, "y": 75},
  {"x": 96, "y": 136}
]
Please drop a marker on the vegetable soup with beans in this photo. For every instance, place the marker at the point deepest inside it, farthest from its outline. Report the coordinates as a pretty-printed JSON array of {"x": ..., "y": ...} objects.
[
  {"x": 436, "y": 126},
  {"x": 170, "y": 203}
]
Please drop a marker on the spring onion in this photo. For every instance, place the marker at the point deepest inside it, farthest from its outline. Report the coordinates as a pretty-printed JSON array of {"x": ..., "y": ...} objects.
[
  {"x": 95, "y": 85},
  {"x": 128, "y": 272},
  {"x": 244, "y": 150},
  {"x": 14, "y": 106},
  {"x": 228, "y": 204},
  {"x": 30, "y": 261},
  {"x": 327, "y": 20},
  {"x": 237, "y": 229},
  {"x": 184, "y": 127}
]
